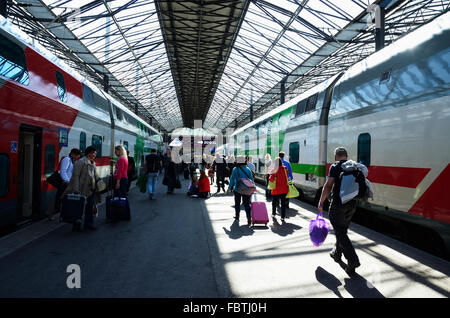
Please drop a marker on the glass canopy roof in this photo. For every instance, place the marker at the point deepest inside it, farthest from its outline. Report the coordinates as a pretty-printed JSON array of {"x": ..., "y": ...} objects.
[{"x": 298, "y": 42}]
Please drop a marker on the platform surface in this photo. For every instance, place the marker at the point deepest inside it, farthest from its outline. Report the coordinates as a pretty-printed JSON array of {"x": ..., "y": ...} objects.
[{"x": 177, "y": 246}]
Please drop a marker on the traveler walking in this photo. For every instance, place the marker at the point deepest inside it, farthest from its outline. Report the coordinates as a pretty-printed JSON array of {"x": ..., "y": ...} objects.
[
  {"x": 250, "y": 165},
  {"x": 289, "y": 168},
  {"x": 171, "y": 176},
  {"x": 279, "y": 174},
  {"x": 65, "y": 171},
  {"x": 83, "y": 181},
  {"x": 241, "y": 171},
  {"x": 132, "y": 175},
  {"x": 340, "y": 214},
  {"x": 152, "y": 166},
  {"x": 121, "y": 172},
  {"x": 220, "y": 168},
  {"x": 267, "y": 166}
]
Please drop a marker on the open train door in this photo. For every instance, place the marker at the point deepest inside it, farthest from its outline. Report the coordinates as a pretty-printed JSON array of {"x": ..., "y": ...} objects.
[{"x": 29, "y": 173}]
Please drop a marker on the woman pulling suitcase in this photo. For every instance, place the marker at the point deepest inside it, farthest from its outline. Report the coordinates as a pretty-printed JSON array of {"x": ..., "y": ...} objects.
[{"x": 83, "y": 181}]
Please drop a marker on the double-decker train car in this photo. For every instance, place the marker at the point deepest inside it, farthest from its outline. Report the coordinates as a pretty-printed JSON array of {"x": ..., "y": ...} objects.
[
  {"x": 46, "y": 109},
  {"x": 392, "y": 113}
]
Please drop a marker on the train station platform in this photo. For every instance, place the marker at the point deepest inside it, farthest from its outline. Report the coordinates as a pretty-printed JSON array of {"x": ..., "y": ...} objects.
[{"x": 177, "y": 246}]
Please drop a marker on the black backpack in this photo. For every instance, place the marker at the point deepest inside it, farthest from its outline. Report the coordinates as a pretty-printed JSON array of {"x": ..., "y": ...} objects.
[{"x": 152, "y": 163}]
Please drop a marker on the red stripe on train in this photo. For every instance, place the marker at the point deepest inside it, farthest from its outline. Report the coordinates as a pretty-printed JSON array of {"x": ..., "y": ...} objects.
[
  {"x": 434, "y": 202},
  {"x": 102, "y": 161},
  {"x": 395, "y": 176}
]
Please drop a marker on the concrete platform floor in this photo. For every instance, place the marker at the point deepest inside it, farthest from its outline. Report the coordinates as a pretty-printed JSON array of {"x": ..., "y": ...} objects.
[{"x": 176, "y": 246}]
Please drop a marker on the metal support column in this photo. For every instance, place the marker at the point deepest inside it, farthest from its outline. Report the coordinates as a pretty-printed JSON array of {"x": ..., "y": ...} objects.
[
  {"x": 106, "y": 83},
  {"x": 379, "y": 28},
  {"x": 4, "y": 8},
  {"x": 282, "y": 91}
]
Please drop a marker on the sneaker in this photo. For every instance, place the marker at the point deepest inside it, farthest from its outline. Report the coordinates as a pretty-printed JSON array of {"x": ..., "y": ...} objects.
[
  {"x": 336, "y": 257},
  {"x": 350, "y": 270}
]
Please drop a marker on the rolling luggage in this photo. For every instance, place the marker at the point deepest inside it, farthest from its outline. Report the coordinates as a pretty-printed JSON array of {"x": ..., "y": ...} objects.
[
  {"x": 72, "y": 208},
  {"x": 259, "y": 212},
  {"x": 117, "y": 209}
]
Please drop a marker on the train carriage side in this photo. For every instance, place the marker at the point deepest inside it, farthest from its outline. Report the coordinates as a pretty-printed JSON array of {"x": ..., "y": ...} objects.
[
  {"x": 39, "y": 102},
  {"x": 92, "y": 127},
  {"x": 391, "y": 111}
]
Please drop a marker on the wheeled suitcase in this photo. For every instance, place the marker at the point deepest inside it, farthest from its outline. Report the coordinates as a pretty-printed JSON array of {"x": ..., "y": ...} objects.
[
  {"x": 259, "y": 213},
  {"x": 117, "y": 209},
  {"x": 72, "y": 208}
]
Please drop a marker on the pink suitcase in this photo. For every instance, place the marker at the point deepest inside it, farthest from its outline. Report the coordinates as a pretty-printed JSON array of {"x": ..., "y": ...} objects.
[{"x": 259, "y": 213}]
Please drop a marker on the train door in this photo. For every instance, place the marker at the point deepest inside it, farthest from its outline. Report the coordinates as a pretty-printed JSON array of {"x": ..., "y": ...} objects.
[{"x": 29, "y": 172}]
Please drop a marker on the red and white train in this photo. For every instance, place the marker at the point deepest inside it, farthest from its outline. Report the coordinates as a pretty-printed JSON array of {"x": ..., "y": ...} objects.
[
  {"x": 46, "y": 109},
  {"x": 392, "y": 113}
]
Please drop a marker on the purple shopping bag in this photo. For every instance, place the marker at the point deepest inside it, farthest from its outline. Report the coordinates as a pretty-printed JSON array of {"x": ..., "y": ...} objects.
[{"x": 318, "y": 230}]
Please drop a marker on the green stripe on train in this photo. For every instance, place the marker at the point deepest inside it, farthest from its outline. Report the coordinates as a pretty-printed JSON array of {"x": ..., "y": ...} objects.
[{"x": 317, "y": 170}]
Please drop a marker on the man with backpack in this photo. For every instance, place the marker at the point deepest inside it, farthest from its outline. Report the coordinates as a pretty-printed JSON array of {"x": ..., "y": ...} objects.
[
  {"x": 340, "y": 213},
  {"x": 152, "y": 167}
]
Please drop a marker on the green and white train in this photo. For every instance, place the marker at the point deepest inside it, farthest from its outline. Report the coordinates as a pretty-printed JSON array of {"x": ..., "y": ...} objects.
[{"x": 391, "y": 112}]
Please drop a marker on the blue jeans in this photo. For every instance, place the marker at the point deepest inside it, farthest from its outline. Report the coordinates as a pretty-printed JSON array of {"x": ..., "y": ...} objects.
[{"x": 152, "y": 181}]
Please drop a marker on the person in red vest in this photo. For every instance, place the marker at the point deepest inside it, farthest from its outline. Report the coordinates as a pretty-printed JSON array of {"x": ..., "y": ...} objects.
[
  {"x": 279, "y": 174},
  {"x": 203, "y": 185}
]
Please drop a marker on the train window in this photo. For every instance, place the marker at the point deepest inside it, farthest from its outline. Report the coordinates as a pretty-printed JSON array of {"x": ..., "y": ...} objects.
[
  {"x": 311, "y": 102},
  {"x": 364, "y": 141},
  {"x": 12, "y": 61},
  {"x": 88, "y": 97},
  {"x": 119, "y": 114},
  {"x": 63, "y": 136},
  {"x": 61, "y": 87},
  {"x": 4, "y": 174},
  {"x": 294, "y": 152},
  {"x": 82, "y": 141},
  {"x": 101, "y": 103},
  {"x": 125, "y": 145},
  {"x": 300, "y": 108},
  {"x": 97, "y": 143},
  {"x": 49, "y": 160},
  {"x": 385, "y": 76}
]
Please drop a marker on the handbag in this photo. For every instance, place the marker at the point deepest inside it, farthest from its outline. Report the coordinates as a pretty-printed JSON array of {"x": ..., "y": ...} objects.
[
  {"x": 318, "y": 230},
  {"x": 100, "y": 185},
  {"x": 292, "y": 192},
  {"x": 55, "y": 179},
  {"x": 245, "y": 186},
  {"x": 272, "y": 184}
]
